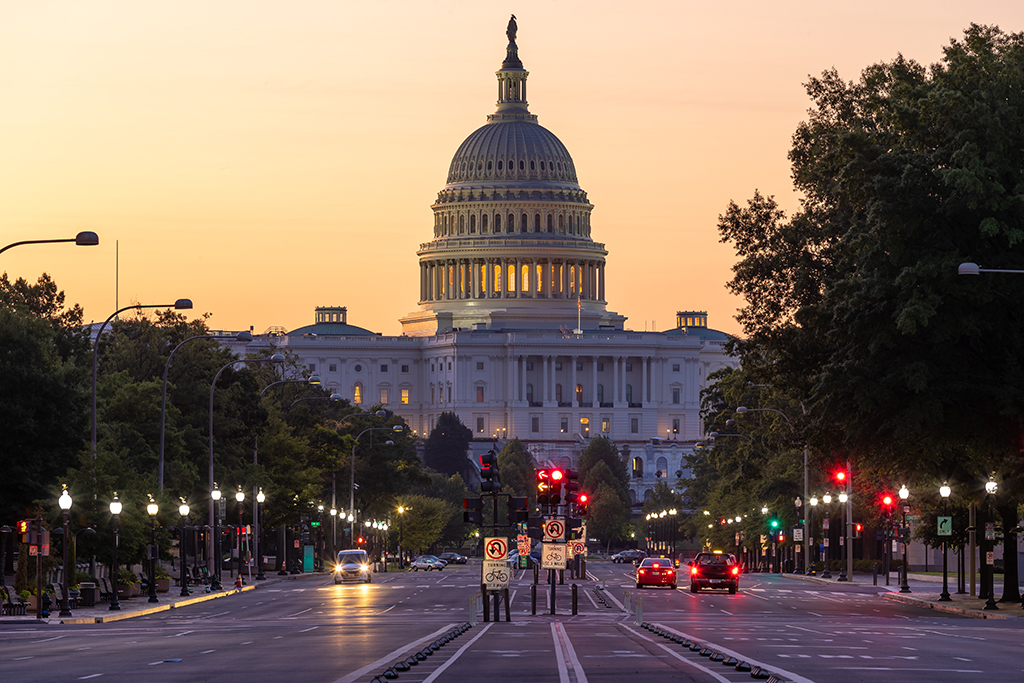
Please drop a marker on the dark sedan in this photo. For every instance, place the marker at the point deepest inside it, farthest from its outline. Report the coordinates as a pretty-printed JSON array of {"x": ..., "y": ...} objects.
[
  {"x": 714, "y": 570},
  {"x": 453, "y": 558}
]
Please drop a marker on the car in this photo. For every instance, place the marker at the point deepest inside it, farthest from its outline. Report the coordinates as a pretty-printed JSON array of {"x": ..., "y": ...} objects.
[
  {"x": 656, "y": 571},
  {"x": 452, "y": 558},
  {"x": 716, "y": 570},
  {"x": 426, "y": 563},
  {"x": 630, "y": 556},
  {"x": 352, "y": 565}
]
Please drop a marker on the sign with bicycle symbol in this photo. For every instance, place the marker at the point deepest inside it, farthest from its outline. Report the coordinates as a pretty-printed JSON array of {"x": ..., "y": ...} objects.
[
  {"x": 496, "y": 575},
  {"x": 553, "y": 556},
  {"x": 496, "y": 548},
  {"x": 554, "y": 530}
]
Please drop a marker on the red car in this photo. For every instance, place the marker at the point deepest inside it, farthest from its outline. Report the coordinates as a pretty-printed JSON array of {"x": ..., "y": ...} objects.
[
  {"x": 656, "y": 571},
  {"x": 714, "y": 570}
]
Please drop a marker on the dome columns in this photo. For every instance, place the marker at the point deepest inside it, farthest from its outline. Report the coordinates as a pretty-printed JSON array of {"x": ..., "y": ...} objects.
[{"x": 504, "y": 277}]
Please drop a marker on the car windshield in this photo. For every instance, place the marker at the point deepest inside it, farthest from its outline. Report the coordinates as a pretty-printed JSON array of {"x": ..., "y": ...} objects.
[
  {"x": 352, "y": 557},
  {"x": 715, "y": 559},
  {"x": 656, "y": 562}
]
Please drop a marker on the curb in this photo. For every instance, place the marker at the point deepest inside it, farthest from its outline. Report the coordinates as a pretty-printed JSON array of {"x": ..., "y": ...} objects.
[
  {"x": 941, "y": 607},
  {"x": 153, "y": 610}
]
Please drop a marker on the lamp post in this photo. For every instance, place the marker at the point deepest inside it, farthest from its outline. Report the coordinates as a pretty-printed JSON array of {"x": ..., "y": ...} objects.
[
  {"x": 240, "y": 498},
  {"x": 810, "y": 525},
  {"x": 152, "y": 508},
  {"x": 65, "y": 504},
  {"x": 260, "y": 499},
  {"x": 115, "y": 511},
  {"x": 844, "y": 497},
  {"x": 82, "y": 239},
  {"x": 275, "y": 358},
  {"x": 799, "y": 569},
  {"x": 990, "y": 490},
  {"x": 825, "y": 532},
  {"x": 352, "y": 475},
  {"x": 904, "y": 494},
  {"x": 214, "y": 543},
  {"x": 241, "y": 336},
  {"x": 401, "y": 517},
  {"x": 944, "y": 491},
  {"x": 183, "y": 510},
  {"x": 741, "y": 410}
]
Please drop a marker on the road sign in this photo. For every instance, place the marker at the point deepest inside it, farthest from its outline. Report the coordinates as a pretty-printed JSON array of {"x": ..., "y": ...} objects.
[
  {"x": 554, "y": 530},
  {"x": 553, "y": 556},
  {"x": 824, "y": 524},
  {"x": 798, "y": 533},
  {"x": 579, "y": 548},
  {"x": 945, "y": 526},
  {"x": 495, "y": 575},
  {"x": 523, "y": 544},
  {"x": 496, "y": 548},
  {"x": 990, "y": 531}
]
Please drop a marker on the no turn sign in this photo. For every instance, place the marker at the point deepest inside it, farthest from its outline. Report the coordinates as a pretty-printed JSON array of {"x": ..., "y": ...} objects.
[
  {"x": 496, "y": 548},
  {"x": 554, "y": 530}
]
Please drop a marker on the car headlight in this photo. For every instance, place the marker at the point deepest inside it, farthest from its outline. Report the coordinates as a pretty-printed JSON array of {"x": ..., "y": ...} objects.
[
  {"x": 337, "y": 568},
  {"x": 364, "y": 567}
]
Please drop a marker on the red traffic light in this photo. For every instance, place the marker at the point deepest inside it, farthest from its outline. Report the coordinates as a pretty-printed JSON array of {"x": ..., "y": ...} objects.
[
  {"x": 361, "y": 540},
  {"x": 584, "y": 498},
  {"x": 887, "y": 500},
  {"x": 840, "y": 476},
  {"x": 556, "y": 475}
]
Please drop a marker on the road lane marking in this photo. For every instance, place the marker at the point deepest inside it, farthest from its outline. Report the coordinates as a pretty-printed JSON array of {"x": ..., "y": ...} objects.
[
  {"x": 389, "y": 659},
  {"x": 387, "y": 610},
  {"x": 18, "y": 659},
  {"x": 206, "y": 652},
  {"x": 302, "y": 612},
  {"x": 82, "y": 678},
  {"x": 437, "y": 672},
  {"x": 311, "y": 628},
  {"x": 46, "y": 640},
  {"x": 178, "y": 635},
  {"x": 569, "y": 668}
]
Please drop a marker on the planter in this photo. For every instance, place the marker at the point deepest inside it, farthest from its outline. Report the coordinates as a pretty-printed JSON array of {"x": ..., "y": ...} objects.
[
  {"x": 134, "y": 590},
  {"x": 162, "y": 585}
]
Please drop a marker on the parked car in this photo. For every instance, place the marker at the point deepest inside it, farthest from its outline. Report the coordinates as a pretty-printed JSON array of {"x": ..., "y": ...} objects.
[
  {"x": 656, "y": 571},
  {"x": 629, "y": 556},
  {"x": 714, "y": 570},
  {"x": 452, "y": 558},
  {"x": 352, "y": 565},
  {"x": 427, "y": 562}
]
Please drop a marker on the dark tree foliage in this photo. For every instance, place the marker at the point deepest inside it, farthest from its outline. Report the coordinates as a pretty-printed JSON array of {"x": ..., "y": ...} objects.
[
  {"x": 446, "y": 446},
  {"x": 516, "y": 471}
]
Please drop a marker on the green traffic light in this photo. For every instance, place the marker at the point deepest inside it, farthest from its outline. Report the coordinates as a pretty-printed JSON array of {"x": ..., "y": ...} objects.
[{"x": 775, "y": 523}]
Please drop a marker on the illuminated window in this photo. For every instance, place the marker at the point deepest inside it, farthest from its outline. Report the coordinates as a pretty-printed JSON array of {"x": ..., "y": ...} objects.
[
  {"x": 480, "y": 425},
  {"x": 579, "y": 393},
  {"x": 357, "y": 394},
  {"x": 405, "y": 396},
  {"x": 585, "y": 426},
  {"x": 675, "y": 425},
  {"x": 563, "y": 425},
  {"x": 605, "y": 423},
  {"x": 384, "y": 396}
]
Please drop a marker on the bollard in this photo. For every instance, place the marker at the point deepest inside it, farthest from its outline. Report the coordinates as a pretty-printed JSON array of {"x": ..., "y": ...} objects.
[
  {"x": 875, "y": 567},
  {"x": 533, "y": 599},
  {"x": 552, "y": 591},
  {"x": 487, "y": 606},
  {"x": 472, "y": 611},
  {"x": 536, "y": 573},
  {"x": 561, "y": 577},
  {"x": 639, "y": 610},
  {"x": 575, "y": 600},
  {"x": 627, "y": 599},
  {"x": 508, "y": 615},
  {"x": 497, "y": 606}
]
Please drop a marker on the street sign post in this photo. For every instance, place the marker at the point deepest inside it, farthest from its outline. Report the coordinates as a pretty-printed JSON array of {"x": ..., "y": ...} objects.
[
  {"x": 553, "y": 556},
  {"x": 496, "y": 548},
  {"x": 496, "y": 575},
  {"x": 945, "y": 526},
  {"x": 554, "y": 530}
]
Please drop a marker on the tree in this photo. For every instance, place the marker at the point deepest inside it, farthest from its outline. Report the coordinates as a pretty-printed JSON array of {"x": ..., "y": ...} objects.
[
  {"x": 452, "y": 490},
  {"x": 517, "y": 471},
  {"x": 853, "y": 303},
  {"x": 446, "y": 447},
  {"x": 425, "y": 521},
  {"x": 608, "y": 515},
  {"x": 602, "y": 450}
]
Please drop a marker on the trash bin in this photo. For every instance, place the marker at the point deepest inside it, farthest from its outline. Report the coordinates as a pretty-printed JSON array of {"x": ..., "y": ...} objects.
[{"x": 90, "y": 594}]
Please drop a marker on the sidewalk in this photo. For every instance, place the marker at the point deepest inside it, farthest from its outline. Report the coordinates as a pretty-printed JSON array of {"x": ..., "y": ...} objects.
[
  {"x": 924, "y": 592},
  {"x": 140, "y": 606}
]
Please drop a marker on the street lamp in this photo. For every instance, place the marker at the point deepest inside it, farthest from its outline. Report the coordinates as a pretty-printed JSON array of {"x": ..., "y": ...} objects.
[
  {"x": 969, "y": 268},
  {"x": 990, "y": 490},
  {"x": 241, "y": 337},
  {"x": 352, "y": 474},
  {"x": 240, "y": 498},
  {"x": 183, "y": 511},
  {"x": 826, "y": 533},
  {"x": 115, "y": 510},
  {"x": 845, "y": 553},
  {"x": 810, "y": 525},
  {"x": 904, "y": 494},
  {"x": 214, "y": 543},
  {"x": 82, "y": 239},
  {"x": 152, "y": 508},
  {"x": 401, "y": 517},
  {"x": 944, "y": 491},
  {"x": 260, "y": 499},
  {"x": 65, "y": 504},
  {"x": 741, "y": 410}
]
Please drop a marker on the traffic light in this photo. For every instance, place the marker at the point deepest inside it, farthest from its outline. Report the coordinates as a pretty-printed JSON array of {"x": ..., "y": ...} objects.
[
  {"x": 858, "y": 530},
  {"x": 782, "y": 537},
  {"x": 489, "y": 473},
  {"x": 556, "y": 478},
  {"x": 24, "y": 528},
  {"x": 774, "y": 524},
  {"x": 361, "y": 540},
  {"x": 473, "y": 510},
  {"x": 518, "y": 510},
  {"x": 543, "y": 486},
  {"x": 840, "y": 476},
  {"x": 581, "y": 505},
  {"x": 571, "y": 486}
]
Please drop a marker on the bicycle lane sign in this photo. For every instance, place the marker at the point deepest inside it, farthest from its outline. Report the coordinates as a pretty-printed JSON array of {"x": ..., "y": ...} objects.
[{"x": 496, "y": 575}]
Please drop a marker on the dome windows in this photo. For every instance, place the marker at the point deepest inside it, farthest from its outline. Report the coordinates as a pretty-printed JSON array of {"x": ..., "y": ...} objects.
[
  {"x": 483, "y": 223},
  {"x": 488, "y": 164},
  {"x": 542, "y": 165},
  {"x": 511, "y": 222},
  {"x": 472, "y": 225},
  {"x": 533, "y": 165},
  {"x": 499, "y": 164},
  {"x": 522, "y": 166},
  {"x": 497, "y": 220}
]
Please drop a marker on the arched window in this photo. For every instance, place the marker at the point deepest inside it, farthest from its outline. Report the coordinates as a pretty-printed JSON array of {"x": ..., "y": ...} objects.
[
  {"x": 561, "y": 224},
  {"x": 647, "y": 495},
  {"x": 529, "y": 393},
  {"x": 499, "y": 164},
  {"x": 632, "y": 497},
  {"x": 533, "y": 165},
  {"x": 483, "y": 223},
  {"x": 662, "y": 465},
  {"x": 542, "y": 165},
  {"x": 638, "y": 467},
  {"x": 357, "y": 393},
  {"x": 511, "y": 222},
  {"x": 472, "y": 225},
  {"x": 558, "y": 393},
  {"x": 521, "y": 165},
  {"x": 550, "y": 224},
  {"x": 497, "y": 222},
  {"x": 536, "y": 222},
  {"x": 579, "y": 393},
  {"x": 600, "y": 393},
  {"x": 629, "y": 393},
  {"x": 488, "y": 164},
  {"x": 462, "y": 225}
]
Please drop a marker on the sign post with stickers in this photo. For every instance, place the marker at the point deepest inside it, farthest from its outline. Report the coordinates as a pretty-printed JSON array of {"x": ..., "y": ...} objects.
[{"x": 495, "y": 574}]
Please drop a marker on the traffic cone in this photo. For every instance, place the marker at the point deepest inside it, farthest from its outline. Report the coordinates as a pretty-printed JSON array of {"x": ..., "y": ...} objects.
[{"x": 238, "y": 581}]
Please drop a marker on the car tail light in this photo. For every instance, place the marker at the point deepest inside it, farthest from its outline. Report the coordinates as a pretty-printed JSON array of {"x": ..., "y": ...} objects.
[
  {"x": 641, "y": 571},
  {"x": 693, "y": 570},
  {"x": 735, "y": 571},
  {"x": 656, "y": 565}
]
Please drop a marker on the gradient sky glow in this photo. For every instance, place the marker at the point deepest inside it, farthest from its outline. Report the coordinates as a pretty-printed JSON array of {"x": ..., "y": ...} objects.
[{"x": 263, "y": 158}]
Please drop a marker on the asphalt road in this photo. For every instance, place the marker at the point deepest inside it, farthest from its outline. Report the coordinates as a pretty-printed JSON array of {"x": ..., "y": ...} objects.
[{"x": 311, "y": 630}]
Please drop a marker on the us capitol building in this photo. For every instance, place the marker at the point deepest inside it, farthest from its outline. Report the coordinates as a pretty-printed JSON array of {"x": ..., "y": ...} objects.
[{"x": 512, "y": 330}]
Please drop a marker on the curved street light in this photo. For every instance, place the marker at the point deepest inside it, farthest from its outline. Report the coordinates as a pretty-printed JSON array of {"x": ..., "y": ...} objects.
[
  {"x": 65, "y": 505},
  {"x": 183, "y": 510},
  {"x": 352, "y": 475},
  {"x": 115, "y": 511},
  {"x": 82, "y": 239}
]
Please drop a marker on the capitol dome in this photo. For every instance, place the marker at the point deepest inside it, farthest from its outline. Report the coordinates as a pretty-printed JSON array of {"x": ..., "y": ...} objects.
[{"x": 512, "y": 246}]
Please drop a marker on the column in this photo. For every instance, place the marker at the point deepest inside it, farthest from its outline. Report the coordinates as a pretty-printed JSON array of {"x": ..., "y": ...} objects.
[
  {"x": 600, "y": 281},
  {"x": 593, "y": 382},
  {"x": 545, "y": 396},
  {"x": 488, "y": 278},
  {"x": 575, "y": 402},
  {"x": 519, "y": 277},
  {"x": 522, "y": 377},
  {"x": 545, "y": 275},
  {"x": 615, "y": 380},
  {"x": 531, "y": 280},
  {"x": 643, "y": 382},
  {"x": 565, "y": 278}
]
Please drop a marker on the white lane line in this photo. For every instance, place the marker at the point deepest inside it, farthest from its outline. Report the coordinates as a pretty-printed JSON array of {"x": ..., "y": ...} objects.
[
  {"x": 437, "y": 672},
  {"x": 386, "y": 611},
  {"x": 82, "y": 678},
  {"x": 609, "y": 596},
  {"x": 46, "y": 640},
  {"x": 18, "y": 659},
  {"x": 302, "y": 612},
  {"x": 311, "y": 628},
  {"x": 389, "y": 659},
  {"x": 178, "y": 635},
  {"x": 206, "y": 652},
  {"x": 591, "y": 598},
  {"x": 569, "y": 669}
]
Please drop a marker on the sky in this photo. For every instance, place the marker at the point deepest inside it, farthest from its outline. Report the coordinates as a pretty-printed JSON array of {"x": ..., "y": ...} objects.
[{"x": 264, "y": 157}]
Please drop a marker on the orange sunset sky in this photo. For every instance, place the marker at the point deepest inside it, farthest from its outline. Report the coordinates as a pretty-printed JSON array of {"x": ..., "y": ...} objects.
[{"x": 263, "y": 158}]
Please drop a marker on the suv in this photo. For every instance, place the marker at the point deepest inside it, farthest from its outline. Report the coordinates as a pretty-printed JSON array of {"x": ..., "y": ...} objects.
[
  {"x": 714, "y": 570},
  {"x": 353, "y": 565},
  {"x": 630, "y": 556}
]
